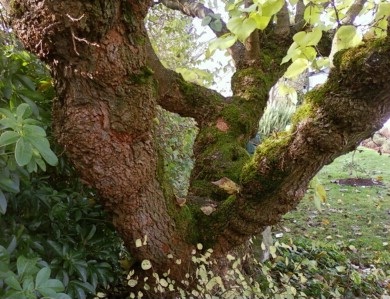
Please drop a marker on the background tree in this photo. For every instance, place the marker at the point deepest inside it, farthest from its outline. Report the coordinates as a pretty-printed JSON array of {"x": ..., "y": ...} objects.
[{"x": 109, "y": 82}]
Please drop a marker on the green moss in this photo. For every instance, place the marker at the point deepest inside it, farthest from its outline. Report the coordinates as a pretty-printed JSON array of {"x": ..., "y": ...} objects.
[
  {"x": 182, "y": 216},
  {"x": 215, "y": 222},
  {"x": 242, "y": 118},
  {"x": 251, "y": 84},
  {"x": 264, "y": 172},
  {"x": 219, "y": 160},
  {"x": 303, "y": 112}
]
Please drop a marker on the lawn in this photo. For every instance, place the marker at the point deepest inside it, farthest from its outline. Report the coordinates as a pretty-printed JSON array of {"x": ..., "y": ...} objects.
[{"x": 355, "y": 219}]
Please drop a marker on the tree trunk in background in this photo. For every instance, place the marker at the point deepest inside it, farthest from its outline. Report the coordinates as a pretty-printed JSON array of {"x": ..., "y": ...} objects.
[{"x": 108, "y": 84}]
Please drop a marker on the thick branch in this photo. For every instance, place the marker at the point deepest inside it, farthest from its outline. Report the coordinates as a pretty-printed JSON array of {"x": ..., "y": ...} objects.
[
  {"x": 185, "y": 98},
  {"x": 351, "y": 106}
]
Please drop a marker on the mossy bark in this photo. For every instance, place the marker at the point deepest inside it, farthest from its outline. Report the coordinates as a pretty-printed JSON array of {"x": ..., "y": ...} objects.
[{"x": 109, "y": 82}]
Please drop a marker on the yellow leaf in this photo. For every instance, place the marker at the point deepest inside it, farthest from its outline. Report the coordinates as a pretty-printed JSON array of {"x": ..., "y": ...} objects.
[{"x": 227, "y": 185}]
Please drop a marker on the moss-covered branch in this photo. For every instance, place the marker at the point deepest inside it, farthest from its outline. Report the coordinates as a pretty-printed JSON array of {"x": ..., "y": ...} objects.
[{"x": 334, "y": 119}]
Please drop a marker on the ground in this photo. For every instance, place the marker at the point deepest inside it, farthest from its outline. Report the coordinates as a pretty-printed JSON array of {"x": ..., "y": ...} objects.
[{"x": 356, "y": 213}]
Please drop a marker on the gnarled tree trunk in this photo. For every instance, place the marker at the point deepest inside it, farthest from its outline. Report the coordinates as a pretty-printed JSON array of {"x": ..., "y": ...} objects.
[{"x": 108, "y": 83}]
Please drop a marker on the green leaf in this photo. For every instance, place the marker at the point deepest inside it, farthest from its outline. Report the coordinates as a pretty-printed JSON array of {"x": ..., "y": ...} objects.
[
  {"x": 261, "y": 21},
  {"x": 312, "y": 14},
  {"x": 12, "y": 245},
  {"x": 40, "y": 163},
  {"x": 81, "y": 268},
  {"x": 3, "y": 203},
  {"x": 28, "y": 284},
  {"x": 296, "y": 68},
  {"x": 4, "y": 255},
  {"x": 206, "y": 20},
  {"x": 32, "y": 166},
  {"x": 311, "y": 38},
  {"x": 50, "y": 287},
  {"x": 216, "y": 25},
  {"x": 9, "y": 137},
  {"x": 32, "y": 130},
  {"x": 7, "y": 113},
  {"x": 346, "y": 37},
  {"x": 292, "y": 53},
  {"x": 23, "y": 111},
  {"x": 31, "y": 100},
  {"x": 26, "y": 81},
  {"x": 43, "y": 146},
  {"x": 26, "y": 266},
  {"x": 321, "y": 62},
  {"x": 16, "y": 294},
  {"x": 242, "y": 27},
  {"x": 9, "y": 185},
  {"x": 309, "y": 53},
  {"x": 84, "y": 285},
  {"x": 12, "y": 282},
  {"x": 383, "y": 10},
  {"x": 23, "y": 151},
  {"x": 91, "y": 232},
  {"x": 7, "y": 90},
  {"x": 271, "y": 7},
  {"x": 56, "y": 247},
  {"x": 221, "y": 43},
  {"x": 9, "y": 123},
  {"x": 42, "y": 276}
]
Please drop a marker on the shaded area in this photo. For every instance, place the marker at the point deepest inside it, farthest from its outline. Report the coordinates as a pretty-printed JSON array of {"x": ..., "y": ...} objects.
[{"x": 358, "y": 182}]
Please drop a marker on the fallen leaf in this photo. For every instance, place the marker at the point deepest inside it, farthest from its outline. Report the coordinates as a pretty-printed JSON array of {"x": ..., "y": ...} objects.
[
  {"x": 227, "y": 185},
  {"x": 207, "y": 209},
  {"x": 181, "y": 201},
  {"x": 222, "y": 125}
]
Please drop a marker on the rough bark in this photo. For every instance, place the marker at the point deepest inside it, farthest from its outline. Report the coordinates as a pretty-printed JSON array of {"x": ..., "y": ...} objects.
[
  {"x": 104, "y": 110},
  {"x": 109, "y": 82}
]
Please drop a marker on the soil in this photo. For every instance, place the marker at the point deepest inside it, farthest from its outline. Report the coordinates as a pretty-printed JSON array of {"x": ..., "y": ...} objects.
[{"x": 359, "y": 182}]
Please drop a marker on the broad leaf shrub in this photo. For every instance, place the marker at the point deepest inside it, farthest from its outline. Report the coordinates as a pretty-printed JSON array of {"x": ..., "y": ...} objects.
[
  {"x": 55, "y": 239},
  {"x": 65, "y": 231},
  {"x": 301, "y": 270}
]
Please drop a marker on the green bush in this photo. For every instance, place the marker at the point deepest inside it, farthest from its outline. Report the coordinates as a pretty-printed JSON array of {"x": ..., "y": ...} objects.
[{"x": 55, "y": 240}]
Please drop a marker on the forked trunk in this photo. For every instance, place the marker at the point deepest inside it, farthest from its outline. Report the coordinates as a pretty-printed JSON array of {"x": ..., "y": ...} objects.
[{"x": 108, "y": 83}]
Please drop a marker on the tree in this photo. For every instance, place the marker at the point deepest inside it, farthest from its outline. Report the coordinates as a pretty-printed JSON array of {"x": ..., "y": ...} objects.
[{"x": 109, "y": 82}]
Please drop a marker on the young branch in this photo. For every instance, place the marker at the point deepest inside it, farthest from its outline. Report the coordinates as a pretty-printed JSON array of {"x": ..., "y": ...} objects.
[{"x": 353, "y": 12}]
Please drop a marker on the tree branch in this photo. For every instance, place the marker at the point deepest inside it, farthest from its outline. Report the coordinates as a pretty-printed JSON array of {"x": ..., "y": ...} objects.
[
  {"x": 283, "y": 21},
  {"x": 353, "y": 12},
  {"x": 334, "y": 119},
  {"x": 193, "y": 8},
  {"x": 185, "y": 98},
  {"x": 299, "y": 20}
]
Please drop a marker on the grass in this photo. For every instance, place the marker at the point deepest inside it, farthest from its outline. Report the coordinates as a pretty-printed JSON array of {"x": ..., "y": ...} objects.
[{"x": 356, "y": 219}]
